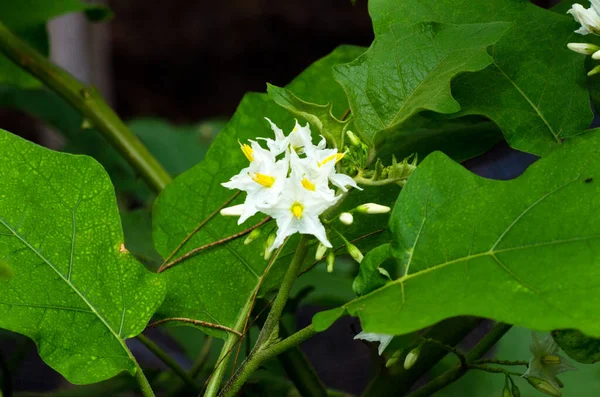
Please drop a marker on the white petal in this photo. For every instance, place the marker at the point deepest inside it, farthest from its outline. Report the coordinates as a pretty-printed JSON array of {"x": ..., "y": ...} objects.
[
  {"x": 235, "y": 210},
  {"x": 383, "y": 339},
  {"x": 343, "y": 180},
  {"x": 310, "y": 224}
]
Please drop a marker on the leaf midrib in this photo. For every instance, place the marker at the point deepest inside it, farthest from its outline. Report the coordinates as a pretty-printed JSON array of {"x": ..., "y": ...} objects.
[{"x": 73, "y": 287}]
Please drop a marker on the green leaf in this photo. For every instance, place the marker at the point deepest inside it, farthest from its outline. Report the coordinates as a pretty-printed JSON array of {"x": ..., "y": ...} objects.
[
  {"x": 523, "y": 251},
  {"x": 215, "y": 285},
  {"x": 369, "y": 277},
  {"x": 28, "y": 19},
  {"x": 461, "y": 138},
  {"x": 319, "y": 116},
  {"x": 76, "y": 291},
  {"x": 409, "y": 68},
  {"x": 578, "y": 346},
  {"x": 535, "y": 89},
  {"x": 6, "y": 271},
  {"x": 325, "y": 319}
]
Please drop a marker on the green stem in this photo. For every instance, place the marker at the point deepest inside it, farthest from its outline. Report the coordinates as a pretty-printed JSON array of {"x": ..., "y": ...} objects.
[
  {"x": 214, "y": 382},
  {"x": 501, "y": 362},
  {"x": 257, "y": 357},
  {"x": 454, "y": 374},
  {"x": 89, "y": 102},
  {"x": 266, "y": 336},
  {"x": 196, "y": 368},
  {"x": 169, "y": 362},
  {"x": 493, "y": 370},
  {"x": 145, "y": 387}
]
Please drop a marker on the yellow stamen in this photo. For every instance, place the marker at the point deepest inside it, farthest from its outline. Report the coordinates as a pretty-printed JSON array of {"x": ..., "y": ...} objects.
[
  {"x": 308, "y": 185},
  {"x": 297, "y": 209},
  {"x": 262, "y": 179},
  {"x": 337, "y": 157},
  {"x": 550, "y": 359},
  {"x": 247, "y": 150}
]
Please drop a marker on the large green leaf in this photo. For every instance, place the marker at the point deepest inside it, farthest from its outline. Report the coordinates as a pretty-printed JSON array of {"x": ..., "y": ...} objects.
[
  {"x": 28, "y": 19},
  {"x": 578, "y": 346},
  {"x": 524, "y": 251},
  {"x": 409, "y": 68},
  {"x": 215, "y": 285},
  {"x": 75, "y": 291},
  {"x": 534, "y": 90}
]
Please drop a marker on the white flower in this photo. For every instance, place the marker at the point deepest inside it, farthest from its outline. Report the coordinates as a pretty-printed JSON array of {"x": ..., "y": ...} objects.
[
  {"x": 263, "y": 180},
  {"x": 383, "y": 339},
  {"x": 320, "y": 163},
  {"x": 298, "y": 210},
  {"x": 589, "y": 18},
  {"x": 546, "y": 363}
]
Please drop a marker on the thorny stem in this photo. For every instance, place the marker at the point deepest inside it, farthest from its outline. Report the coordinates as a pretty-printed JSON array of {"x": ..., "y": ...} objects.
[
  {"x": 168, "y": 361},
  {"x": 264, "y": 342},
  {"x": 89, "y": 103},
  {"x": 195, "y": 322},
  {"x": 213, "y": 244},
  {"x": 500, "y": 362},
  {"x": 493, "y": 370}
]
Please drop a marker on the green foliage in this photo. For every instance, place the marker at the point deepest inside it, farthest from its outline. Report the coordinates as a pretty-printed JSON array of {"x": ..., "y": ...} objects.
[
  {"x": 465, "y": 246},
  {"x": 76, "y": 291},
  {"x": 535, "y": 88},
  {"x": 28, "y": 19},
  {"x": 578, "y": 346},
  {"x": 409, "y": 68}
]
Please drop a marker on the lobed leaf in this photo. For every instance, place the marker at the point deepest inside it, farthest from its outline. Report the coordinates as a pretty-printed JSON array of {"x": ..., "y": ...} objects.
[{"x": 76, "y": 291}]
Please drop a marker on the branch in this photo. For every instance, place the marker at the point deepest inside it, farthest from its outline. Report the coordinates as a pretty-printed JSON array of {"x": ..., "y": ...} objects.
[
  {"x": 195, "y": 322},
  {"x": 91, "y": 105}
]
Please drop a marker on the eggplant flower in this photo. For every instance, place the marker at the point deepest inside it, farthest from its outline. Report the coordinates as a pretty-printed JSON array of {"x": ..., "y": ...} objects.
[
  {"x": 383, "y": 339},
  {"x": 589, "y": 18},
  {"x": 546, "y": 363}
]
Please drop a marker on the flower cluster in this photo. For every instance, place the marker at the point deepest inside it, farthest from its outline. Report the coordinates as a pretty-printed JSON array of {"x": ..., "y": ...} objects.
[
  {"x": 589, "y": 18},
  {"x": 289, "y": 181}
]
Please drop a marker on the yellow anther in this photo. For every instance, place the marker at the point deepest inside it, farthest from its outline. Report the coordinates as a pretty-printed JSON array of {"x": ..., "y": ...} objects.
[
  {"x": 550, "y": 359},
  {"x": 297, "y": 209},
  {"x": 262, "y": 179},
  {"x": 248, "y": 152},
  {"x": 337, "y": 157},
  {"x": 308, "y": 185}
]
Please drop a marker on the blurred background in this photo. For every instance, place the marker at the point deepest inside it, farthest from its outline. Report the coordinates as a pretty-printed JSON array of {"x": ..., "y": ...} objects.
[{"x": 176, "y": 72}]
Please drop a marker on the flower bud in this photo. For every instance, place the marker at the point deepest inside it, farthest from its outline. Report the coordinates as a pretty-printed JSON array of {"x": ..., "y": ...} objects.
[
  {"x": 544, "y": 386},
  {"x": 354, "y": 252},
  {"x": 87, "y": 124},
  {"x": 268, "y": 244},
  {"x": 596, "y": 55},
  {"x": 252, "y": 236},
  {"x": 354, "y": 140},
  {"x": 506, "y": 392},
  {"x": 594, "y": 71},
  {"x": 321, "y": 250},
  {"x": 515, "y": 390},
  {"x": 372, "y": 208},
  {"x": 236, "y": 210},
  {"x": 412, "y": 357},
  {"x": 394, "y": 359},
  {"x": 330, "y": 261},
  {"x": 346, "y": 218},
  {"x": 583, "y": 48}
]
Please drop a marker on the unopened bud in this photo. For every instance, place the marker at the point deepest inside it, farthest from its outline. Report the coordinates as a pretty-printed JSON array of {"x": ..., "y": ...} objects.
[
  {"x": 594, "y": 71},
  {"x": 268, "y": 244},
  {"x": 355, "y": 252},
  {"x": 596, "y": 55},
  {"x": 354, "y": 140},
  {"x": 506, "y": 392},
  {"x": 544, "y": 386},
  {"x": 583, "y": 48},
  {"x": 346, "y": 218},
  {"x": 372, "y": 208},
  {"x": 394, "y": 359},
  {"x": 252, "y": 236},
  {"x": 515, "y": 390},
  {"x": 412, "y": 357},
  {"x": 550, "y": 359},
  {"x": 87, "y": 124},
  {"x": 330, "y": 261},
  {"x": 321, "y": 250},
  {"x": 236, "y": 210}
]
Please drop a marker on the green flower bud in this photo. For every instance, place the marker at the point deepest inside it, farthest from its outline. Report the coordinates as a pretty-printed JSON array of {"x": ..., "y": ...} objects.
[
  {"x": 270, "y": 240},
  {"x": 544, "y": 386},
  {"x": 330, "y": 261},
  {"x": 515, "y": 390},
  {"x": 506, "y": 392},
  {"x": 594, "y": 71},
  {"x": 354, "y": 140},
  {"x": 355, "y": 252},
  {"x": 321, "y": 250},
  {"x": 412, "y": 357},
  {"x": 346, "y": 218},
  {"x": 394, "y": 359},
  {"x": 252, "y": 236}
]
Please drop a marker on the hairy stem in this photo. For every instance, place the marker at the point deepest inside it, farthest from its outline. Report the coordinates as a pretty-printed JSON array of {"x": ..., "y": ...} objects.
[
  {"x": 169, "y": 362},
  {"x": 145, "y": 387},
  {"x": 91, "y": 105}
]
